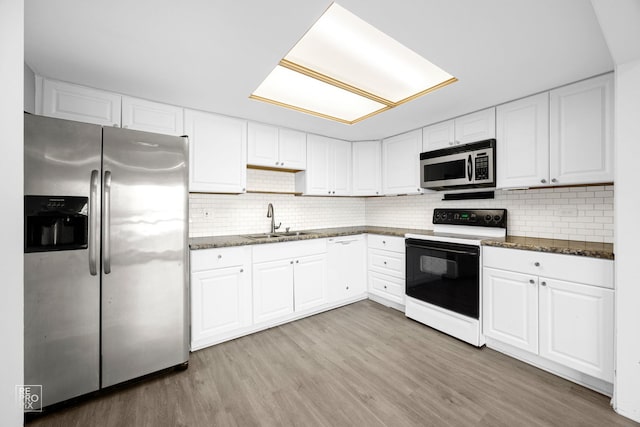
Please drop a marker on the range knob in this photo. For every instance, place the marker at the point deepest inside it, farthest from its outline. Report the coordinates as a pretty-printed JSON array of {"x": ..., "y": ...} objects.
[
  {"x": 487, "y": 218},
  {"x": 497, "y": 218}
]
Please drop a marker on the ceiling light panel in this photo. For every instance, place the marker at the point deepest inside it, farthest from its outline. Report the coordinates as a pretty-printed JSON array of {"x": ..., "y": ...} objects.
[
  {"x": 347, "y": 70},
  {"x": 344, "y": 47},
  {"x": 284, "y": 86}
]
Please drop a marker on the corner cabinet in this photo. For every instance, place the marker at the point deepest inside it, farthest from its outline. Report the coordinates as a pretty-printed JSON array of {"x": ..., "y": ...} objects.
[
  {"x": 367, "y": 168},
  {"x": 401, "y": 163},
  {"x": 276, "y": 148},
  {"x": 558, "y": 308},
  {"x": 217, "y": 153},
  {"x": 220, "y": 294},
  {"x": 328, "y": 168}
]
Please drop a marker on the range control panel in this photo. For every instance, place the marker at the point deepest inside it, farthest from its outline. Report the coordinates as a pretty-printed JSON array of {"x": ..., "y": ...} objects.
[{"x": 476, "y": 217}]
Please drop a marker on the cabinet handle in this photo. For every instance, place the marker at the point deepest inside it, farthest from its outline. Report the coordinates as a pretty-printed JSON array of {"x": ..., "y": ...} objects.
[
  {"x": 385, "y": 262},
  {"x": 290, "y": 262},
  {"x": 554, "y": 180},
  {"x": 418, "y": 189},
  {"x": 384, "y": 242},
  {"x": 219, "y": 256},
  {"x": 376, "y": 192},
  {"x": 244, "y": 189},
  {"x": 451, "y": 142},
  {"x": 347, "y": 287},
  {"x": 242, "y": 270},
  {"x": 329, "y": 192},
  {"x": 537, "y": 264},
  {"x": 277, "y": 163},
  {"x": 297, "y": 261},
  {"x": 532, "y": 281},
  {"x": 281, "y": 163},
  {"x": 333, "y": 192},
  {"x": 543, "y": 283},
  {"x": 385, "y": 286},
  {"x": 544, "y": 181},
  {"x": 457, "y": 142}
]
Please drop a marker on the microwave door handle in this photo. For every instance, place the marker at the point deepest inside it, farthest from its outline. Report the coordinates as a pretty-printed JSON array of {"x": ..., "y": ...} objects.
[
  {"x": 94, "y": 230},
  {"x": 470, "y": 168},
  {"x": 106, "y": 239}
]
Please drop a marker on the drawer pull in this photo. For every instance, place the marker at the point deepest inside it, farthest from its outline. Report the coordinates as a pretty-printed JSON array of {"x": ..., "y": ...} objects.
[
  {"x": 532, "y": 281},
  {"x": 385, "y": 286},
  {"x": 384, "y": 242},
  {"x": 219, "y": 256},
  {"x": 385, "y": 262},
  {"x": 347, "y": 288},
  {"x": 543, "y": 283},
  {"x": 537, "y": 264},
  {"x": 242, "y": 270}
]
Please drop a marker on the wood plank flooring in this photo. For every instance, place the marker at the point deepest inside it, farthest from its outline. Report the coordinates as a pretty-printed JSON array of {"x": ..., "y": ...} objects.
[{"x": 359, "y": 365}]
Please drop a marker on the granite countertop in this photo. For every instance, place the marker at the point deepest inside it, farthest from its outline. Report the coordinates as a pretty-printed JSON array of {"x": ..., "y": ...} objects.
[
  {"x": 567, "y": 247},
  {"x": 240, "y": 240}
]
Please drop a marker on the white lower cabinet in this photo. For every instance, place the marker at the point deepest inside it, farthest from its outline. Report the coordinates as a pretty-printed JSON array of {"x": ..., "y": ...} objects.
[
  {"x": 310, "y": 282},
  {"x": 220, "y": 294},
  {"x": 527, "y": 306},
  {"x": 272, "y": 290},
  {"x": 386, "y": 269},
  {"x": 347, "y": 268}
]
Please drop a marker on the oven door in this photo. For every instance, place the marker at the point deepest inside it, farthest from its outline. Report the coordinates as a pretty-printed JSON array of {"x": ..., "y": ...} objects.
[
  {"x": 445, "y": 171},
  {"x": 444, "y": 274}
]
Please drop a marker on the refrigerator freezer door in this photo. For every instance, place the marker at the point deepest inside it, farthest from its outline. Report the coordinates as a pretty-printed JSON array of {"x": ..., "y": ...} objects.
[
  {"x": 144, "y": 291},
  {"x": 61, "y": 297}
]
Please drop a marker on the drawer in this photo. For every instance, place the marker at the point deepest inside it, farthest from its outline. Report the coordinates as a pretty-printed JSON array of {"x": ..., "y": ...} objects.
[
  {"x": 387, "y": 262},
  {"x": 388, "y": 243},
  {"x": 386, "y": 286},
  {"x": 208, "y": 259},
  {"x": 572, "y": 268}
]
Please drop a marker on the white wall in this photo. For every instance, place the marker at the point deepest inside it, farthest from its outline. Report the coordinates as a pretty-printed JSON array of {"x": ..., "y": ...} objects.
[
  {"x": 11, "y": 190},
  {"x": 29, "y": 90},
  {"x": 627, "y": 385}
]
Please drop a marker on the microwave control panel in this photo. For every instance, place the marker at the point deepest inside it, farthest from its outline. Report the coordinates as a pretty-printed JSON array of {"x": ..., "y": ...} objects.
[{"x": 477, "y": 217}]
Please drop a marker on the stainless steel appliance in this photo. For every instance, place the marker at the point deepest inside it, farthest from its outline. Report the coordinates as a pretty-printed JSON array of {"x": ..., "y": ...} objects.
[
  {"x": 463, "y": 166},
  {"x": 106, "y": 259},
  {"x": 443, "y": 280}
]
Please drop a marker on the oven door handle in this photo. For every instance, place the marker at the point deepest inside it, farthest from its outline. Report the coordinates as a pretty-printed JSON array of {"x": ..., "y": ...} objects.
[{"x": 455, "y": 251}]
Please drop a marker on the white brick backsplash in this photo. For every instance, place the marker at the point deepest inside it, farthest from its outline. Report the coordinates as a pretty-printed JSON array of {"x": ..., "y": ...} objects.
[{"x": 576, "y": 213}]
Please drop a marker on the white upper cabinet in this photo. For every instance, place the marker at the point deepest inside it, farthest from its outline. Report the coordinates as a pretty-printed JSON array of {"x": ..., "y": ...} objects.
[
  {"x": 401, "y": 163},
  {"x": 473, "y": 127},
  {"x": 476, "y": 126},
  {"x": 328, "y": 170},
  {"x": 276, "y": 148},
  {"x": 523, "y": 142},
  {"x": 581, "y": 132},
  {"x": 217, "y": 153},
  {"x": 79, "y": 103},
  {"x": 148, "y": 116},
  {"x": 367, "y": 168}
]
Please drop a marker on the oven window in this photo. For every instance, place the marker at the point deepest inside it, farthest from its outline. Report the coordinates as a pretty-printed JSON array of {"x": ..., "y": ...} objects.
[
  {"x": 445, "y": 275},
  {"x": 454, "y": 169}
]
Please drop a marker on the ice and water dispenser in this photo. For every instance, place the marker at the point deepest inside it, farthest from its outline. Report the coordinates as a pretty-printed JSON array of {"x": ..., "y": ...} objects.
[{"x": 55, "y": 223}]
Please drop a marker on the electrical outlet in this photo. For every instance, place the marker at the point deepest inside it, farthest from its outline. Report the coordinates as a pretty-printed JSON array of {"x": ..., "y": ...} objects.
[{"x": 567, "y": 212}]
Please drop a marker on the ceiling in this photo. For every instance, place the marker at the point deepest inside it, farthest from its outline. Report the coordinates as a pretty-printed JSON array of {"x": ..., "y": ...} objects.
[{"x": 211, "y": 55}]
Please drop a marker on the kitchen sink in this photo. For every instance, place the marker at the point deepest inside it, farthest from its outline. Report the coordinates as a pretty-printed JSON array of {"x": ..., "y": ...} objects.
[
  {"x": 273, "y": 235},
  {"x": 293, "y": 233}
]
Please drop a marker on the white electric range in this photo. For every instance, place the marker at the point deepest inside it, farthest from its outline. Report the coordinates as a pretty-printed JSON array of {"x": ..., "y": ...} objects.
[{"x": 443, "y": 271}]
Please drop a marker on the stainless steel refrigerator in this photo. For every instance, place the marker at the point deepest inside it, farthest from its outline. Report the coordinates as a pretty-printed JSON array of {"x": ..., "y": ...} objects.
[{"x": 106, "y": 259}]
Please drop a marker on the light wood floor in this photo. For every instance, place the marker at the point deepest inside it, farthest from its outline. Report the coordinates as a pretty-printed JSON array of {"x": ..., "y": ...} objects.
[{"x": 360, "y": 365}]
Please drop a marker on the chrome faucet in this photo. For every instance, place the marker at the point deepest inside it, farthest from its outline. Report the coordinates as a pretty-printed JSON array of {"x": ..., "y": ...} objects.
[{"x": 273, "y": 219}]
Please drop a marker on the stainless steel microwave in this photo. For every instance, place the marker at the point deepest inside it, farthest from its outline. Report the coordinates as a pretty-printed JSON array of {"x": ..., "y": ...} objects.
[{"x": 463, "y": 166}]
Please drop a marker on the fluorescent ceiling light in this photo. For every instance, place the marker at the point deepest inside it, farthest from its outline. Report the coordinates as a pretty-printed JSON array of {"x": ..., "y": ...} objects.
[{"x": 345, "y": 69}]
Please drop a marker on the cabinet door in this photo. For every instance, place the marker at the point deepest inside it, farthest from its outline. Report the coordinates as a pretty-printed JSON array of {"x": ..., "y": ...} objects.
[
  {"x": 139, "y": 114},
  {"x": 293, "y": 149},
  {"x": 346, "y": 266},
  {"x": 576, "y": 326},
  {"x": 367, "y": 168},
  {"x": 315, "y": 180},
  {"x": 217, "y": 153},
  {"x": 220, "y": 301},
  {"x": 340, "y": 166},
  {"x": 401, "y": 163},
  {"x": 272, "y": 290},
  {"x": 79, "y": 103},
  {"x": 262, "y": 145},
  {"x": 581, "y": 132},
  {"x": 310, "y": 281},
  {"x": 387, "y": 287},
  {"x": 476, "y": 126},
  {"x": 523, "y": 142},
  {"x": 510, "y": 308},
  {"x": 440, "y": 135}
]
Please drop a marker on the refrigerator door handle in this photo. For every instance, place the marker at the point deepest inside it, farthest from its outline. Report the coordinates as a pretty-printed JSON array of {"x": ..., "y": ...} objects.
[
  {"x": 94, "y": 231},
  {"x": 106, "y": 238}
]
